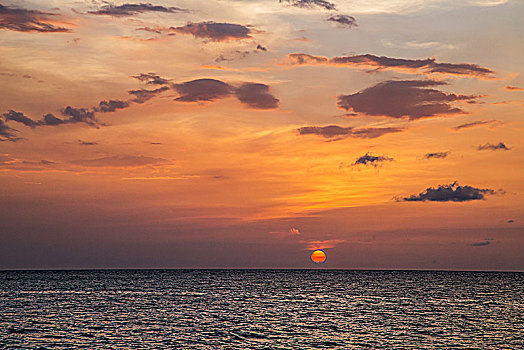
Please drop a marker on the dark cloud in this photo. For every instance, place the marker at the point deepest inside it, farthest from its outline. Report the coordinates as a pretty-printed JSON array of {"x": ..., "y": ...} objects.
[
  {"x": 79, "y": 115},
  {"x": 7, "y": 133},
  {"x": 343, "y": 20},
  {"x": 480, "y": 244},
  {"x": 23, "y": 20},
  {"x": 87, "y": 143},
  {"x": 50, "y": 119},
  {"x": 261, "y": 48},
  {"x": 510, "y": 221},
  {"x": 151, "y": 79},
  {"x": 202, "y": 90},
  {"x": 20, "y": 118},
  {"x": 436, "y": 155},
  {"x": 404, "y": 98},
  {"x": 143, "y": 95},
  {"x": 513, "y": 88},
  {"x": 338, "y": 132},
  {"x": 311, "y": 4},
  {"x": 491, "y": 147},
  {"x": 214, "y": 31},
  {"x": 449, "y": 193},
  {"x": 368, "y": 159},
  {"x": 111, "y": 106},
  {"x": 120, "y": 161},
  {"x": 132, "y": 9},
  {"x": 428, "y": 65},
  {"x": 473, "y": 124},
  {"x": 256, "y": 96}
]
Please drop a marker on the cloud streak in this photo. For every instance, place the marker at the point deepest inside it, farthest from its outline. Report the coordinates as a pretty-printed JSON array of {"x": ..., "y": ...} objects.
[
  {"x": 120, "y": 161},
  {"x": 126, "y": 10},
  {"x": 309, "y": 4},
  {"x": 413, "y": 99},
  {"x": 475, "y": 124},
  {"x": 338, "y": 132},
  {"x": 368, "y": 61}
]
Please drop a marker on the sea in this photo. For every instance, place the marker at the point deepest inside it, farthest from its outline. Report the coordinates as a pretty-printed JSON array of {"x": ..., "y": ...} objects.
[{"x": 261, "y": 309}]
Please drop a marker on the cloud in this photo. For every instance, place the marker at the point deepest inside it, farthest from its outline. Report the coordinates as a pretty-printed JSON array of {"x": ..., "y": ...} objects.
[
  {"x": 20, "y": 118},
  {"x": 79, "y": 115},
  {"x": 50, "y": 119},
  {"x": 87, "y": 143},
  {"x": 151, "y": 79},
  {"x": 214, "y": 31},
  {"x": 368, "y": 61},
  {"x": 23, "y": 20},
  {"x": 294, "y": 231},
  {"x": 474, "y": 124},
  {"x": 311, "y": 4},
  {"x": 111, "y": 106},
  {"x": 404, "y": 98},
  {"x": 510, "y": 221},
  {"x": 120, "y": 161},
  {"x": 513, "y": 88},
  {"x": 291, "y": 232},
  {"x": 449, "y": 193},
  {"x": 7, "y": 133},
  {"x": 143, "y": 95},
  {"x": 480, "y": 244},
  {"x": 436, "y": 155},
  {"x": 491, "y": 147},
  {"x": 261, "y": 48},
  {"x": 132, "y": 9},
  {"x": 202, "y": 90},
  {"x": 325, "y": 244},
  {"x": 256, "y": 96},
  {"x": 343, "y": 20},
  {"x": 339, "y": 132},
  {"x": 368, "y": 159}
]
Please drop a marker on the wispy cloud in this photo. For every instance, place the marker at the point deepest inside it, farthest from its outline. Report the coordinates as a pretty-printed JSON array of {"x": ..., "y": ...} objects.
[
  {"x": 493, "y": 147},
  {"x": 476, "y": 123}
]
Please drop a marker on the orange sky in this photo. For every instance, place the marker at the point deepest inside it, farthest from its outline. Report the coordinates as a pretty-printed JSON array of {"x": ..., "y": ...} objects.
[{"x": 249, "y": 133}]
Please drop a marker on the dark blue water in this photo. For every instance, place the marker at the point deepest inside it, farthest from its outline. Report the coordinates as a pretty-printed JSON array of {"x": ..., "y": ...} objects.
[{"x": 261, "y": 309}]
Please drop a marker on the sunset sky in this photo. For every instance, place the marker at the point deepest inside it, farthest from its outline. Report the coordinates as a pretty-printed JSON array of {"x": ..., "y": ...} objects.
[{"x": 246, "y": 134}]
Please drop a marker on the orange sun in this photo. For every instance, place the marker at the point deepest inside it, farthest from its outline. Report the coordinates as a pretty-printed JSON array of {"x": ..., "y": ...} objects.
[{"x": 318, "y": 256}]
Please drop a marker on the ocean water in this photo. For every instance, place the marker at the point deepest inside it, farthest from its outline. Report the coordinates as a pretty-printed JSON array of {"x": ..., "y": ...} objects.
[{"x": 261, "y": 309}]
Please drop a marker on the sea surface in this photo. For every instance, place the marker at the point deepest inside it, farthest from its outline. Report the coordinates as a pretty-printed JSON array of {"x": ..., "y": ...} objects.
[{"x": 261, "y": 309}]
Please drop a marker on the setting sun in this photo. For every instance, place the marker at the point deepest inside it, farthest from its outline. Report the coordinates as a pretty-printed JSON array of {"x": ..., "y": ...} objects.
[{"x": 318, "y": 256}]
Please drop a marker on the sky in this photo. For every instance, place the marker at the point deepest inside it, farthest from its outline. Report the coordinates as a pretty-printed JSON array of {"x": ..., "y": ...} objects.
[{"x": 249, "y": 133}]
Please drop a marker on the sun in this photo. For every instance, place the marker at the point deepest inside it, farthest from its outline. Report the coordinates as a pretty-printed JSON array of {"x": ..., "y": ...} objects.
[{"x": 318, "y": 256}]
